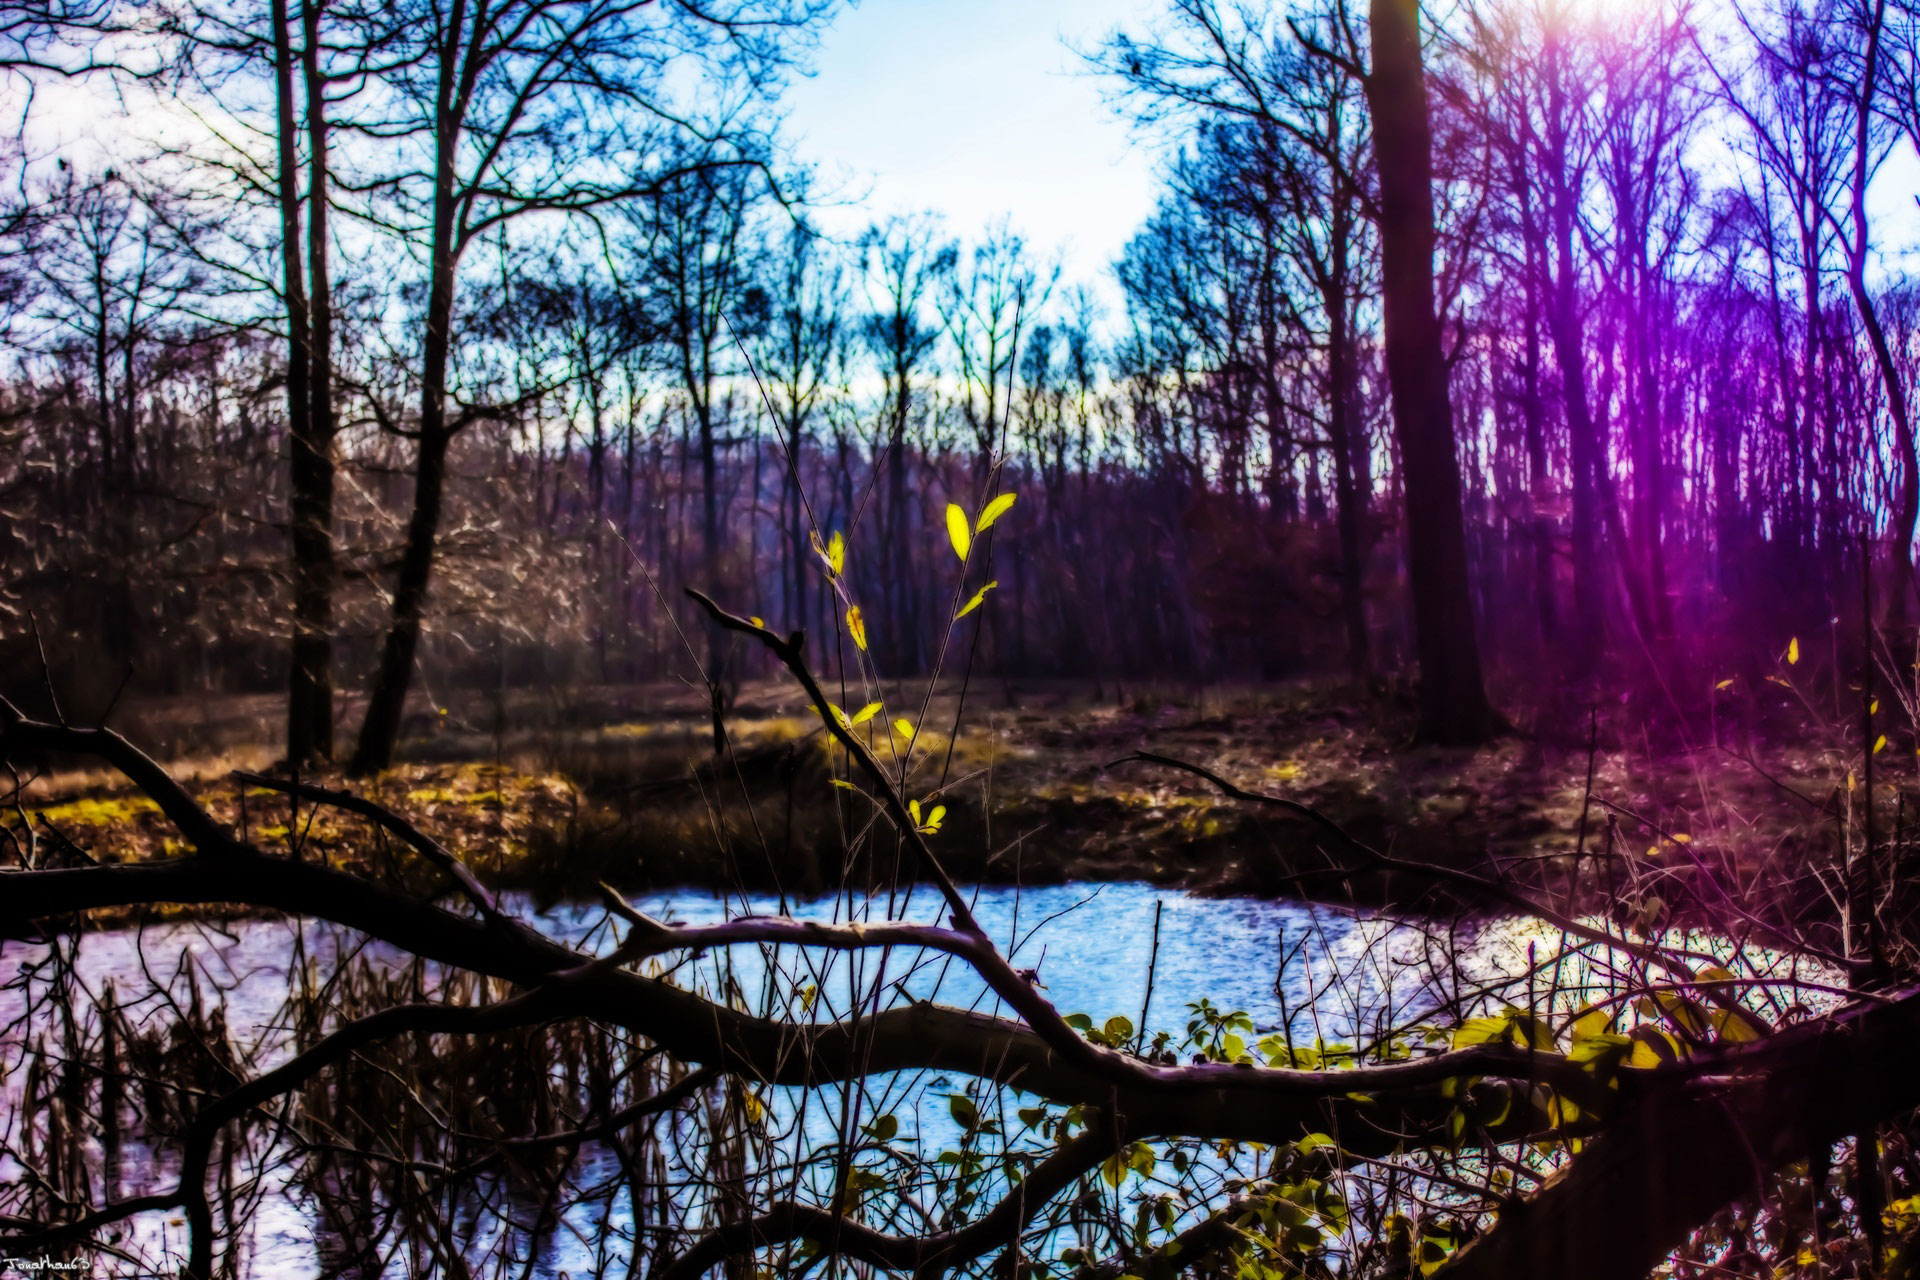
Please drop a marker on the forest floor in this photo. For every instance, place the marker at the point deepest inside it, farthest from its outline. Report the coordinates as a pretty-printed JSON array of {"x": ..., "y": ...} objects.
[{"x": 556, "y": 792}]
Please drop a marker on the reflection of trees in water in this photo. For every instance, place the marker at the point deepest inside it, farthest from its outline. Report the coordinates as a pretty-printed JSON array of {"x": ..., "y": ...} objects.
[{"x": 443, "y": 1088}]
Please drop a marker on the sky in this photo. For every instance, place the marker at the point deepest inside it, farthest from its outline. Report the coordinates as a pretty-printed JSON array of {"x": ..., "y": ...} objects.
[{"x": 977, "y": 110}]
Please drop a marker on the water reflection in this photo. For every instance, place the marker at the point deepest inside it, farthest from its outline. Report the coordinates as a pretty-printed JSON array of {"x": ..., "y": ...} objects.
[{"x": 1098, "y": 950}]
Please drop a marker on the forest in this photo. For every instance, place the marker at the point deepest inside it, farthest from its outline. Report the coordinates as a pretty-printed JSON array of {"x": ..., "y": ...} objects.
[{"x": 580, "y": 699}]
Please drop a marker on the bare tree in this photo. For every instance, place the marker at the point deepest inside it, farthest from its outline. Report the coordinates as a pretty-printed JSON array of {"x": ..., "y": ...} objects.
[
  {"x": 908, "y": 263},
  {"x": 802, "y": 357},
  {"x": 543, "y": 107},
  {"x": 1453, "y": 700}
]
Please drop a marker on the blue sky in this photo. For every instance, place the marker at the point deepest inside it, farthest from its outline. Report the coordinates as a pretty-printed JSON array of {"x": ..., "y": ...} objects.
[{"x": 977, "y": 109}]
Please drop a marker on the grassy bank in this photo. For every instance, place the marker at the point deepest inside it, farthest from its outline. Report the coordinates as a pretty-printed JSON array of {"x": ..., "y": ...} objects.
[{"x": 1032, "y": 793}]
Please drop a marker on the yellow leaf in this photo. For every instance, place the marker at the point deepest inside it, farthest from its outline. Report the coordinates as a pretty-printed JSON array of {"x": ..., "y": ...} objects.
[
  {"x": 1724, "y": 683},
  {"x": 1591, "y": 1022},
  {"x": 1479, "y": 1031},
  {"x": 995, "y": 509},
  {"x": 758, "y": 622},
  {"x": 957, "y": 531},
  {"x": 913, "y": 808},
  {"x": 1736, "y": 1025},
  {"x": 1682, "y": 838},
  {"x": 866, "y": 713},
  {"x": 934, "y": 818},
  {"x": 834, "y": 552},
  {"x": 903, "y": 727},
  {"x": 857, "y": 626},
  {"x": 1793, "y": 650},
  {"x": 1873, "y": 708},
  {"x": 1652, "y": 1047},
  {"x": 974, "y": 603},
  {"x": 1880, "y": 745}
]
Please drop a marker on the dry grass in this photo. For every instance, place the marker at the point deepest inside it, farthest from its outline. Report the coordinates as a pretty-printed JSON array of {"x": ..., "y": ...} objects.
[{"x": 637, "y": 797}]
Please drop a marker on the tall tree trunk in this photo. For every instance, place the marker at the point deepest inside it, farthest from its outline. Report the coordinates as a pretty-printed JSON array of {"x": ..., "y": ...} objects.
[
  {"x": 1906, "y": 509},
  {"x": 1541, "y": 524},
  {"x": 1349, "y": 443},
  {"x": 796, "y": 532},
  {"x": 1584, "y": 451},
  {"x": 1453, "y": 699},
  {"x": 310, "y": 401},
  {"x": 902, "y": 643},
  {"x": 710, "y": 544},
  {"x": 1649, "y": 465},
  {"x": 386, "y": 703}
]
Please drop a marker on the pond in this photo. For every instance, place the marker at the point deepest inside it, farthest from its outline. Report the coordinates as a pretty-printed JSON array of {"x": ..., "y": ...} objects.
[{"x": 1114, "y": 950}]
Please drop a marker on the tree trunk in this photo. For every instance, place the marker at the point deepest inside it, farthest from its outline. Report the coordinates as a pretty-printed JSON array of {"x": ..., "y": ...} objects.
[
  {"x": 1675, "y": 1157},
  {"x": 1584, "y": 452},
  {"x": 1349, "y": 444},
  {"x": 1538, "y": 476},
  {"x": 1906, "y": 509},
  {"x": 796, "y": 532},
  {"x": 1453, "y": 700},
  {"x": 310, "y": 402},
  {"x": 386, "y": 704}
]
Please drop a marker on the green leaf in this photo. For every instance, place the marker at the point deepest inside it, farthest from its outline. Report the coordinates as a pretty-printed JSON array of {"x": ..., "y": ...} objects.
[
  {"x": 965, "y": 1114},
  {"x": 958, "y": 532},
  {"x": 1303, "y": 1237},
  {"x": 995, "y": 509}
]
